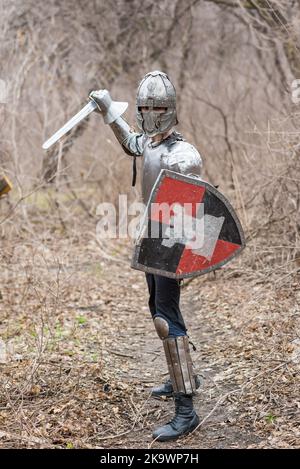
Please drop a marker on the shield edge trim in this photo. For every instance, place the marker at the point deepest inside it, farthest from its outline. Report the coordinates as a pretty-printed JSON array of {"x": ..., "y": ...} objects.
[{"x": 199, "y": 182}]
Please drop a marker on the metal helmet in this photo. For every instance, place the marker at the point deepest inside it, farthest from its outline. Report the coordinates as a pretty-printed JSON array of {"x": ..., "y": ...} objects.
[{"x": 156, "y": 91}]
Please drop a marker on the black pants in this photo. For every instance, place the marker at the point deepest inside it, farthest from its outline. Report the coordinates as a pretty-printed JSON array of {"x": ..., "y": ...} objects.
[{"x": 164, "y": 297}]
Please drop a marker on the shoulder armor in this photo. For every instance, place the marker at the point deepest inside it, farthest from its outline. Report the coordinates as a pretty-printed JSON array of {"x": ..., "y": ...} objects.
[{"x": 182, "y": 157}]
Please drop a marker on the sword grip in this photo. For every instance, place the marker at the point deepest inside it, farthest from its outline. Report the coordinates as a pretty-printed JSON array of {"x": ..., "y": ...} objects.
[{"x": 98, "y": 108}]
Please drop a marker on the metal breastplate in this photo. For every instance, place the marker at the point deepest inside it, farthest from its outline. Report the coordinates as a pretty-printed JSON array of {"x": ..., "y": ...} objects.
[
  {"x": 172, "y": 153},
  {"x": 151, "y": 167}
]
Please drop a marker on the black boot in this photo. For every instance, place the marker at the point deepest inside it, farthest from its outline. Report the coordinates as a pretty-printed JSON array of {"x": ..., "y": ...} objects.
[
  {"x": 166, "y": 389},
  {"x": 184, "y": 421},
  {"x": 163, "y": 390}
]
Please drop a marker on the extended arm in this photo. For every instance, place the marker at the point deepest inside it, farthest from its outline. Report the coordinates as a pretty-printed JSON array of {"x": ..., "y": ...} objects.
[{"x": 132, "y": 142}]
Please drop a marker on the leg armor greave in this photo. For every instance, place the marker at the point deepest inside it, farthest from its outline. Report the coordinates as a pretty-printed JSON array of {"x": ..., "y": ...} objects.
[{"x": 178, "y": 359}]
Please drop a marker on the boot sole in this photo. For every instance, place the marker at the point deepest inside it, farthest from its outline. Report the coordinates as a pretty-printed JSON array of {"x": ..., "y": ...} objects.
[
  {"x": 166, "y": 438},
  {"x": 161, "y": 396}
]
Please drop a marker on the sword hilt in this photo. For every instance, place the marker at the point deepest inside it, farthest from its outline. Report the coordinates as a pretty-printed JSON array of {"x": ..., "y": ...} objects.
[{"x": 98, "y": 108}]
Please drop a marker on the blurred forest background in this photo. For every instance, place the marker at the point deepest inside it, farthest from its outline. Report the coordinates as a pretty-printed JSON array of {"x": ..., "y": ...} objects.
[{"x": 233, "y": 63}]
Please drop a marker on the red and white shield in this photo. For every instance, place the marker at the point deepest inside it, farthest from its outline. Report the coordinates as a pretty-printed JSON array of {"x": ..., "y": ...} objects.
[{"x": 189, "y": 229}]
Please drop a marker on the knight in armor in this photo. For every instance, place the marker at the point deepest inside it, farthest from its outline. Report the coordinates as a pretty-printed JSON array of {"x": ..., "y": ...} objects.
[{"x": 161, "y": 147}]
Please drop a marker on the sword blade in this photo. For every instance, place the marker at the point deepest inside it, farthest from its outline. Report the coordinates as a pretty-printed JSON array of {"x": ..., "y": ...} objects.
[{"x": 85, "y": 111}]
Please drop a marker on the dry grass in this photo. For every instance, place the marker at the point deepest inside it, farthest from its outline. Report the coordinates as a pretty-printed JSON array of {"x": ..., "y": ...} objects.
[
  {"x": 79, "y": 352},
  {"x": 77, "y": 346}
]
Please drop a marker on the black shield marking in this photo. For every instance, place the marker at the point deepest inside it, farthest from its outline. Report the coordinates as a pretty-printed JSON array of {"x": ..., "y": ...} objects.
[
  {"x": 157, "y": 256},
  {"x": 214, "y": 206}
]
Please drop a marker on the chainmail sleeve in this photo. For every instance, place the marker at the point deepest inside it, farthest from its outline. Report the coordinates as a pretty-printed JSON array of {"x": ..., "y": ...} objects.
[{"x": 132, "y": 142}]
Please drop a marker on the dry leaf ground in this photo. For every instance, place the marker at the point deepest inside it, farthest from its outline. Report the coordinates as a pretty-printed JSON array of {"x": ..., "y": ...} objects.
[{"x": 79, "y": 353}]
